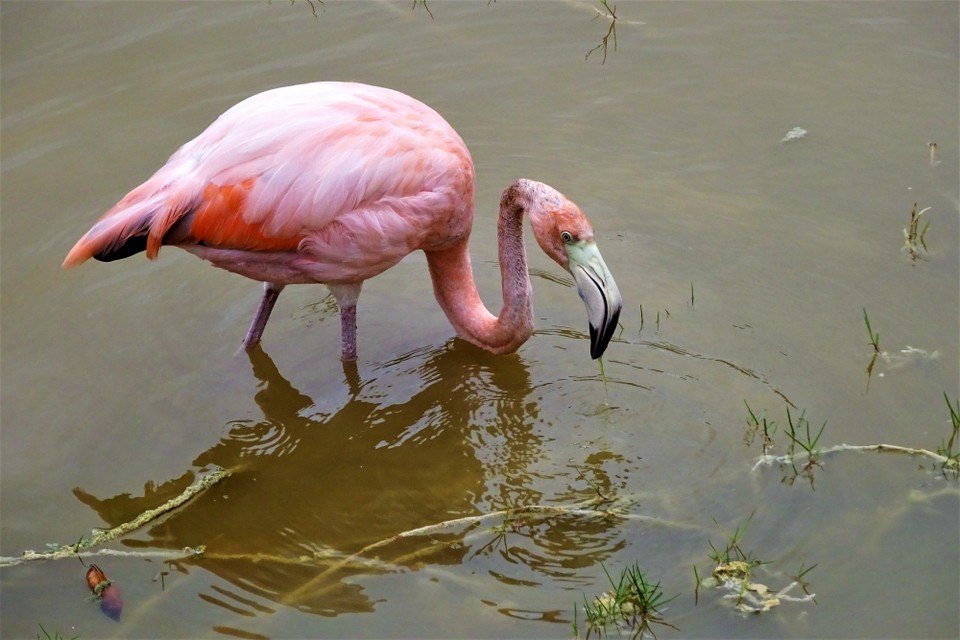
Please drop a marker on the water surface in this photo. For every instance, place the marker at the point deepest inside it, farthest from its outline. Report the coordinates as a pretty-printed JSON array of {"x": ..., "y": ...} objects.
[{"x": 745, "y": 264}]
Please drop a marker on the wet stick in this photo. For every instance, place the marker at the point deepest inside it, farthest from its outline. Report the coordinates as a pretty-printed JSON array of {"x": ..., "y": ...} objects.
[
  {"x": 943, "y": 460},
  {"x": 98, "y": 538},
  {"x": 587, "y": 509}
]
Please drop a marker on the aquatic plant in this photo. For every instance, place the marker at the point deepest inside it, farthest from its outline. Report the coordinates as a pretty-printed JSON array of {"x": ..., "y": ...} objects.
[
  {"x": 799, "y": 435},
  {"x": 875, "y": 341},
  {"x": 874, "y": 336},
  {"x": 732, "y": 551},
  {"x": 951, "y": 456},
  {"x": 422, "y": 3},
  {"x": 633, "y": 603},
  {"x": 750, "y": 596},
  {"x": 804, "y": 445},
  {"x": 755, "y": 424},
  {"x": 914, "y": 237},
  {"x": 611, "y": 31},
  {"x": 735, "y": 573},
  {"x": 799, "y": 578},
  {"x": 48, "y": 636}
]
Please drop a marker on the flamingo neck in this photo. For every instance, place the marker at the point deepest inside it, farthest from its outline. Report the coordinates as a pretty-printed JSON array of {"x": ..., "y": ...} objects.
[{"x": 456, "y": 290}]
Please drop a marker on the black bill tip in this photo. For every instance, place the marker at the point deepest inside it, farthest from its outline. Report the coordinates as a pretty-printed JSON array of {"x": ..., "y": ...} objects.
[{"x": 600, "y": 339}]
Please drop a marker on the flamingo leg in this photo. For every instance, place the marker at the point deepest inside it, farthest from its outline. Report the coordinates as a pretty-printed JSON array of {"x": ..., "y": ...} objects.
[
  {"x": 348, "y": 333},
  {"x": 271, "y": 292},
  {"x": 346, "y": 295}
]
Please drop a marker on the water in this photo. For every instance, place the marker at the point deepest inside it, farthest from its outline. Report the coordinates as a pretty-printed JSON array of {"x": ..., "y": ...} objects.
[{"x": 752, "y": 261}]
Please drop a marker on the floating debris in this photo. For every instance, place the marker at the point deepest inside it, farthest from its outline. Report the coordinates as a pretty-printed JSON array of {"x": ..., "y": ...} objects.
[
  {"x": 794, "y": 134},
  {"x": 105, "y": 591},
  {"x": 909, "y": 355},
  {"x": 749, "y": 596}
]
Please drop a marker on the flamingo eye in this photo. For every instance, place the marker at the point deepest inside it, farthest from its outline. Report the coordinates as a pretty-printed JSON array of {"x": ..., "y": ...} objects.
[{"x": 566, "y": 236}]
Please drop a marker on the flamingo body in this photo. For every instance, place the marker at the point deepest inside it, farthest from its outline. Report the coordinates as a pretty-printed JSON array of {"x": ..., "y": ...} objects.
[{"x": 334, "y": 183}]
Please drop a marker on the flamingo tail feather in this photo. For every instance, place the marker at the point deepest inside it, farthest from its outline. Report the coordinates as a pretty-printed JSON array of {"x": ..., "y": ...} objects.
[{"x": 139, "y": 222}]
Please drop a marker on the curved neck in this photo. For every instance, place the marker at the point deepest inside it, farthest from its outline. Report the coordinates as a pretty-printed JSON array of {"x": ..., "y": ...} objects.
[{"x": 456, "y": 290}]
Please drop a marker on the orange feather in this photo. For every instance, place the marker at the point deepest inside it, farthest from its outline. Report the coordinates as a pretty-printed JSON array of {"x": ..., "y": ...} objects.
[{"x": 218, "y": 221}]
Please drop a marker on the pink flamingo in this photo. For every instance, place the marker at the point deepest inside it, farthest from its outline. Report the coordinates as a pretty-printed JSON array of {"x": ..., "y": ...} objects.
[{"x": 334, "y": 183}]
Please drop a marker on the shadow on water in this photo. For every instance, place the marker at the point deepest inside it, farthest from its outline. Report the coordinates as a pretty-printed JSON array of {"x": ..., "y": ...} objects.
[{"x": 314, "y": 486}]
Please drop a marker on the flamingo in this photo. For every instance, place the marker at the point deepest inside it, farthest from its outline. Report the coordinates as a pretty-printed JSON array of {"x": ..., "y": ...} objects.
[{"x": 333, "y": 183}]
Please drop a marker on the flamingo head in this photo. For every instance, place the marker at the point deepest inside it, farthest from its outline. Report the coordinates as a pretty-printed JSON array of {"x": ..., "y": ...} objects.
[{"x": 565, "y": 234}]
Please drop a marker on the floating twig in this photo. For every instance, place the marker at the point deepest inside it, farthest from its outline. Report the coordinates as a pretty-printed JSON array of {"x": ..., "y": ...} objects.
[
  {"x": 768, "y": 459},
  {"x": 611, "y": 31},
  {"x": 98, "y": 538},
  {"x": 149, "y": 554},
  {"x": 587, "y": 508},
  {"x": 422, "y": 3}
]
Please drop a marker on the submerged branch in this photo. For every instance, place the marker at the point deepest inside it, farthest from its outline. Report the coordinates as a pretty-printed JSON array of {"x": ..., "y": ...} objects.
[
  {"x": 768, "y": 459},
  {"x": 598, "y": 507},
  {"x": 151, "y": 554},
  {"x": 587, "y": 508},
  {"x": 98, "y": 538}
]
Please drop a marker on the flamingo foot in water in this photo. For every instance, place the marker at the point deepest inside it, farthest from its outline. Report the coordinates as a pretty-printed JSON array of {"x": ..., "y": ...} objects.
[
  {"x": 348, "y": 333},
  {"x": 270, "y": 294}
]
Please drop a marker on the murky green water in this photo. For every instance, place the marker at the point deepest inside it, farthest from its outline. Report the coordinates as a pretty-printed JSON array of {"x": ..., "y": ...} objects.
[{"x": 752, "y": 261}]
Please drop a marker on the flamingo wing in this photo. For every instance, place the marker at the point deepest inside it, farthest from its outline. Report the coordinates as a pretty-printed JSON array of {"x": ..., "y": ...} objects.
[{"x": 346, "y": 177}]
